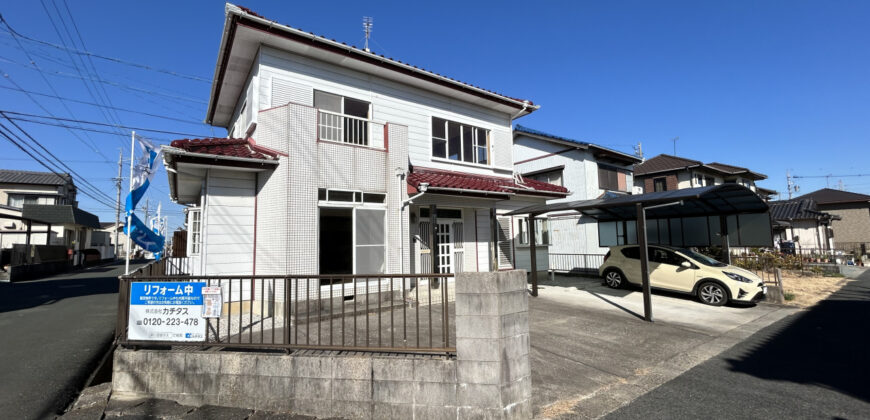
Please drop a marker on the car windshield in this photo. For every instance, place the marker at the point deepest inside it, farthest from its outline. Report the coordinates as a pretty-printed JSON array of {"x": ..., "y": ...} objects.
[{"x": 701, "y": 258}]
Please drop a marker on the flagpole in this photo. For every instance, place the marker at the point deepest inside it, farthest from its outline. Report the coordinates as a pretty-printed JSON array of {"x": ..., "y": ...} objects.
[{"x": 129, "y": 215}]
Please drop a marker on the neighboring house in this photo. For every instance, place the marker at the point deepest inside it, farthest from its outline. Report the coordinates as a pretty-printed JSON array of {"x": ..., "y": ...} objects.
[
  {"x": 27, "y": 187},
  {"x": 668, "y": 173},
  {"x": 18, "y": 188},
  {"x": 587, "y": 170},
  {"x": 327, "y": 143},
  {"x": 852, "y": 231},
  {"x": 801, "y": 221}
]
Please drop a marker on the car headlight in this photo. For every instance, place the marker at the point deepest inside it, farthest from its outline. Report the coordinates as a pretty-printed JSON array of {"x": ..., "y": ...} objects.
[{"x": 737, "y": 277}]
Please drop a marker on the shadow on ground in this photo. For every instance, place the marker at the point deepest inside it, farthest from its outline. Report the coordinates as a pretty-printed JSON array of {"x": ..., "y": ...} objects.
[
  {"x": 32, "y": 293},
  {"x": 826, "y": 346}
]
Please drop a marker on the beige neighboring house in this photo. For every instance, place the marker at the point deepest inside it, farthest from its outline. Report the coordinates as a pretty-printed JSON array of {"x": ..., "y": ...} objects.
[
  {"x": 852, "y": 231},
  {"x": 18, "y": 188},
  {"x": 668, "y": 173}
]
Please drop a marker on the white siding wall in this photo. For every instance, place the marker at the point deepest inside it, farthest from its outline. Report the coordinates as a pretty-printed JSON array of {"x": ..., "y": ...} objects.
[
  {"x": 570, "y": 234},
  {"x": 391, "y": 102},
  {"x": 228, "y": 242},
  {"x": 808, "y": 232},
  {"x": 484, "y": 234}
]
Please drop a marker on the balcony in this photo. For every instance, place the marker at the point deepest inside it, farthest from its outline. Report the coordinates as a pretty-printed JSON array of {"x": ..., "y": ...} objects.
[{"x": 348, "y": 129}]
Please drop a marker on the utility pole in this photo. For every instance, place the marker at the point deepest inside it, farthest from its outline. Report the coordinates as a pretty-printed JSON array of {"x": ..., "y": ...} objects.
[
  {"x": 638, "y": 150},
  {"x": 789, "y": 182},
  {"x": 118, "y": 201},
  {"x": 147, "y": 204}
]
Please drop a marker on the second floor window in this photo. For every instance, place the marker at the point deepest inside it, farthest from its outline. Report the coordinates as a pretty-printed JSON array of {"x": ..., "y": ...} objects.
[
  {"x": 19, "y": 200},
  {"x": 612, "y": 179},
  {"x": 342, "y": 119},
  {"x": 462, "y": 142},
  {"x": 551, "y": 177},
  {"x": 660, "y": 184}
]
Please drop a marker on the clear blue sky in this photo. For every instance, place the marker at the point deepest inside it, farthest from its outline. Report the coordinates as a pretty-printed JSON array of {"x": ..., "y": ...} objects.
[{"x": 771, "y": 86}]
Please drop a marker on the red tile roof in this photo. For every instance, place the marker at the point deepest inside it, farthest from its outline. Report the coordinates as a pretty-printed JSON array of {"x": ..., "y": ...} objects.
[
  {"x": 487, "y": 184},
  {"x": 241, "y": 148}
]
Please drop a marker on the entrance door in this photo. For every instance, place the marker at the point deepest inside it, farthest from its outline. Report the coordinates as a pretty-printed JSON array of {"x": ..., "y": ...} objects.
[{"x": 445, "y": 247}]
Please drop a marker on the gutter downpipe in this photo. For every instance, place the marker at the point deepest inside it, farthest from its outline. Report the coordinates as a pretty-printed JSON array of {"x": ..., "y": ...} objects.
[{"x": 525, "y": 107}]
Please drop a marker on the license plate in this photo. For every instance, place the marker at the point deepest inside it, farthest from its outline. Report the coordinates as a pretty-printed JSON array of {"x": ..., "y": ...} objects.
[{"x": 764, "y": 289}]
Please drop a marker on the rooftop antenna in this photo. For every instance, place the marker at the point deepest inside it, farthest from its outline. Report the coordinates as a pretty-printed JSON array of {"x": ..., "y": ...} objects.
[
  {"x": 367, "y": 26},
  {"x": 675, "y": 144}
]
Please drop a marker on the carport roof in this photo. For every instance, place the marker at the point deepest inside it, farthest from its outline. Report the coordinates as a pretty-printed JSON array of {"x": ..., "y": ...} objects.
[{"x": 703, "y": 201}]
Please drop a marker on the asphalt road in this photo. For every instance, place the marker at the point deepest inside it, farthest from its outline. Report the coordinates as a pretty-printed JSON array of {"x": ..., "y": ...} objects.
[
  {"x": 813, "y": 364},
  {"x": 54, "y": 332}
]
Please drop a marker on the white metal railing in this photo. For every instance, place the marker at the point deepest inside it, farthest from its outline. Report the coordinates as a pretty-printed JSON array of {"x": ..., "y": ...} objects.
[{"x": 342, "y": 128}]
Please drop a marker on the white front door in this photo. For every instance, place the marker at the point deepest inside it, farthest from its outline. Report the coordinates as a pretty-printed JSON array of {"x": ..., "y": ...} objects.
[{"x": 445, "y": 247}]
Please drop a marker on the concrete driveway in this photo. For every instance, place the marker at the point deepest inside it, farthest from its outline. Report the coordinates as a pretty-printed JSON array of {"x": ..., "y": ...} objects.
[{"x": 592, "y": 352}]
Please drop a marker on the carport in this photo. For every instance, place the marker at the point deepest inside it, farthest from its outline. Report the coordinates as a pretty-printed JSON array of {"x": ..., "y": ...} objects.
[{"x": 687, "y": 217}]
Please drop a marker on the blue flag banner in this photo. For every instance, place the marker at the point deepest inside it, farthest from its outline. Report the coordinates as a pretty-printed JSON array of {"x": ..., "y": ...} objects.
[
  {"x": 143, "y": 172},
  {"x": 143, "y": 236}
]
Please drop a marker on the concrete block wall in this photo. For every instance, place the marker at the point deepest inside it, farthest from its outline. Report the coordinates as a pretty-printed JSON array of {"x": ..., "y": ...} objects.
[
  {"x": 492, "y": 345},
  {"x": 490, "y": 376}
]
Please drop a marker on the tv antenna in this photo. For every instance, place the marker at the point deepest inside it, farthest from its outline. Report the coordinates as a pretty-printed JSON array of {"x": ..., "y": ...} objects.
[
  {"x": 675, "y": 144},
  {"x": 367, "y": 27}
]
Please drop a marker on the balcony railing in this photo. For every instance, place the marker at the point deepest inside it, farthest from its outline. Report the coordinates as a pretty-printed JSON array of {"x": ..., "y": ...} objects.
[{"x": 343, "y": 128}]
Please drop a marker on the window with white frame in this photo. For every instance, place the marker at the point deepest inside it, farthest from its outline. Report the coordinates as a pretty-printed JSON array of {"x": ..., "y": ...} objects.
[
  {"x": 461, "y": 142},
  {"x": 195, "y": 227},
  {"x": 342, "y": 119},
  {"x": 542, "y": 232},
  {"x": 19, "y": 200},
  {"x": 553, "y": 176}
]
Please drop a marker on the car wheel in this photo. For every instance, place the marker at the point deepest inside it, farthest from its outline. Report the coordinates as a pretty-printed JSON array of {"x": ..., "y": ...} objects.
[
  {"x": 712, "y": 294},
  {"x": 613, "y": 279}
]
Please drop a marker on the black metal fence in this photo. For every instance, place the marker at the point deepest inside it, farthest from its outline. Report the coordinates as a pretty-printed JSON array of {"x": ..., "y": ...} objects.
[
  {"x": 576, "y": 263},
  {"x": 391, "y": 312}
]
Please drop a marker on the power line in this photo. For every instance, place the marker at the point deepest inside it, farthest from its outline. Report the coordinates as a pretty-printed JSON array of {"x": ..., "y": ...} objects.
[
  {"x": 62, "y": 163},
  {"x": 102, "y": 57},
  {"x": 41, "y": 162},
  {"x": 53, "y": 90},
  {"x": 98, "y": 88},
  {"x": 152, "y": 130},
  {"x": 68, "y": 160},
  {"x": 186, "y": 121},
  {"x": 91, "y": 130},
  {"x": 828, "y": 176},
  {"x": 92, "y": 146},
  {"x": 104, "y": 81}
]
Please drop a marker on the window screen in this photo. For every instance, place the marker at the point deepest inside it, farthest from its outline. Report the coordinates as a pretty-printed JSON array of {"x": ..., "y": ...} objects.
[
  {"x": 370, "y": 245},
  {"x": 327, "y": 101}
]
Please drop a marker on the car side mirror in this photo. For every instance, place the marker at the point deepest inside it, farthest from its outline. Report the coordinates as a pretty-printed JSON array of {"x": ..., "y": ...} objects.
[{"x": 686, "y": 264}]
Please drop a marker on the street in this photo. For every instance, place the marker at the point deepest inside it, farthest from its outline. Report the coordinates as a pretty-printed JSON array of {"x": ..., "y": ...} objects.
[
  {"x": 54, "y": 332},
  {"x": 812, "y": 364}
]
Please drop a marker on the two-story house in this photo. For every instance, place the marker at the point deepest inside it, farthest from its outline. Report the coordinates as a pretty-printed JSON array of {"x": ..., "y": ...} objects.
[
  {"x": 588, "y": 171},
  {"x": 335, "y": 156},
  {"x": 667, "y": 173},
  {"x": 18, "y": 188}
]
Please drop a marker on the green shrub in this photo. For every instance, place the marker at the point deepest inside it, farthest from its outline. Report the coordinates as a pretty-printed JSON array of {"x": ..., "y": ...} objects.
[{"x": 788, "y": 296}]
